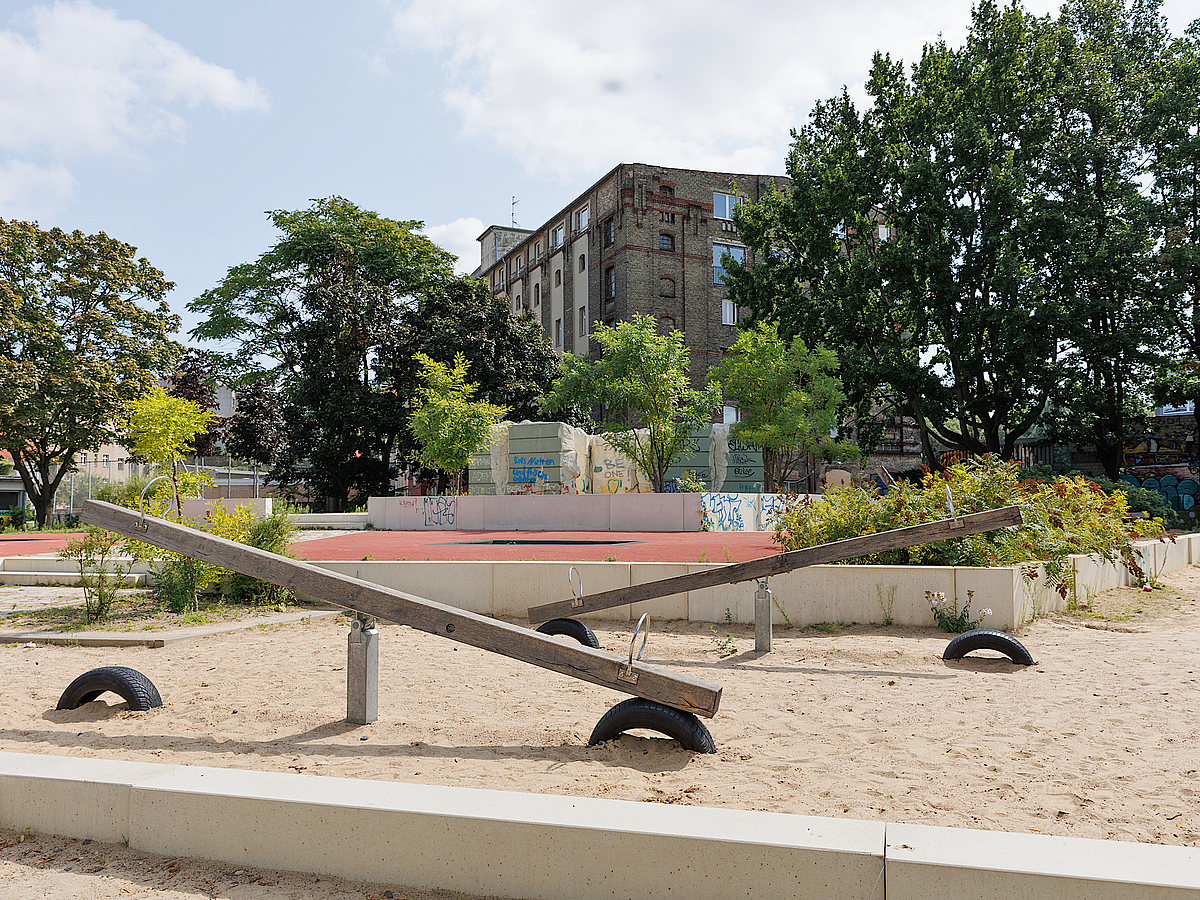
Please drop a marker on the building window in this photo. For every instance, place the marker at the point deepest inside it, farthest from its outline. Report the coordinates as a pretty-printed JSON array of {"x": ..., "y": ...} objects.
[
  {"x": 666, "y": 286},
  {"x": 667, "y": 191},
  {"x": 518, "y": 301},
  {"x": 581, "y": 220},
  {"x": 738, "y": 253},
  {"x": 610, "y": 282},
  {"x": 666, "y": 242},
  {"x": 537, "y": 251},
  {"x": 516, "y": 306},
  {"x": 723, "y": 205},
  {"x": 729, "y": 414},
  {"x": 582, "y": 262},
  {"x": 728, "y": 313},
  {"x": 556, "y": 237},
  {"x": 558, "y": 277},
  {"x": 518, "y": 265},
  {"x": 106, "y": 460},
  {"x": 883, "y": 232},
  {"x": 582, "y": 321},
  {"x": 537, "y": 295},
  {"x": 120, "y": 465},
  {"x": 610, "y": 231},
  {"x": 558, "y": 332},
  {"x": 83, "y": 459}
]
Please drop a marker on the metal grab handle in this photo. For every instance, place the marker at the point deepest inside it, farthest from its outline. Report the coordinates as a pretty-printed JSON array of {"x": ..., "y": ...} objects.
[
  {"x": 576, "y": 593},
  {"x": 956, "y": 521},
  {"x": 627, "y": 674},
  {"x": 140, "y": 524}
]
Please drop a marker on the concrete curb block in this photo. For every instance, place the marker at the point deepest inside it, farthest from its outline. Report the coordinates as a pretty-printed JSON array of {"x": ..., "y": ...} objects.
[
  {"x": 464, "y": 839},
  {"x": 155, "y": 638},
  {"x": 549, "y": 846}
]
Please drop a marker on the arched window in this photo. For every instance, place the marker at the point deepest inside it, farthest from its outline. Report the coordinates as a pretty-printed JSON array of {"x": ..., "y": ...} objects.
[
  {"x": 582, "y": 262},
  {"x": 666, "y": 242},
  {"x": 666, "y": 286},
  {"x": 558, "y": 277},
  {"x": 537, "y": 294}
]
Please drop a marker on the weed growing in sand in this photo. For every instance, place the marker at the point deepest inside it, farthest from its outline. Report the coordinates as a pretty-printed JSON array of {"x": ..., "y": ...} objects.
[
  {"x": 610, "y": 559},
  {"x": 728, "y": 555},
  {"x": 725, "y": 645},
  {"x": 704, "y": 555},
  {"x": 886, "y": 605},
  {"x": 949, "y": 617},
  {"x": 369, "y": 557},
  {"x": 826, "y": 627}
]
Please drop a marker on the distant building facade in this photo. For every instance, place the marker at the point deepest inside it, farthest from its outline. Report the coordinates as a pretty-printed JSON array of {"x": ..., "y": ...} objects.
[{"x": 643, "y": 240}]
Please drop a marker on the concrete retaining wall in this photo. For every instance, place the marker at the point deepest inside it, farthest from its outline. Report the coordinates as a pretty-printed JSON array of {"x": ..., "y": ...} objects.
[
  {"x": 567, "y": 512},
  {"x": 543, "y": 846},
  {"x": 848, "y": 594}
]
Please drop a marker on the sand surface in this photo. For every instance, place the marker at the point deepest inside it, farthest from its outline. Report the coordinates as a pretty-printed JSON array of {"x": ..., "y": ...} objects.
[{"x": 1097, "y": 740}]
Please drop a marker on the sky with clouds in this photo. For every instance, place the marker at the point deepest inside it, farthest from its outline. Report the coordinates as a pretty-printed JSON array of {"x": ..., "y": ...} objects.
[{"x": 176, "y": 126}]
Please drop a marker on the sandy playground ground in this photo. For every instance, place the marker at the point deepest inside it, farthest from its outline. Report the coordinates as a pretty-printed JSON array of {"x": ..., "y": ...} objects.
[{"x": 1097, "y": 740}]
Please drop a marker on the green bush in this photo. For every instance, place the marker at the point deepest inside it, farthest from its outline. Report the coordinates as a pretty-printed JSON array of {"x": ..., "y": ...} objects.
[
  {"x": 1063, "y": 516},
  {"x": 272, "y": 533}
]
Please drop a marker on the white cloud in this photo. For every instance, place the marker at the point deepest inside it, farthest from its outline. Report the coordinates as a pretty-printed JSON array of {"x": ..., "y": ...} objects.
[
  {"x": 459, "y": 237},
  {"x": 572, "y": 90},
  {"x": 29, "y": 191},
  {"x": 86, "y": 83}
]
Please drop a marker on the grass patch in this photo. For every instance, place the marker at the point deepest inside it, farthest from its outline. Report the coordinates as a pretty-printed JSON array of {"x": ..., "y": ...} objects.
[{"x": 137, "y": 611}]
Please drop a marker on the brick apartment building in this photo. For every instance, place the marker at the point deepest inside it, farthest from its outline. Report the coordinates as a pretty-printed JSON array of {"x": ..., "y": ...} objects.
[{"x": 642, "y": 240}]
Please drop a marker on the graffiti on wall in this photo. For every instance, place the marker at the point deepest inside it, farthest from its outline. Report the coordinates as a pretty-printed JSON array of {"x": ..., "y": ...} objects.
[
  {"x": 529, "y": 469},
  {"x": 613, "y": 476},
  {"x": 1181, "y": 493},
  {"x": 771, "y": 504},
  {"x": 1145, "y": 450},
  {"x": 723, "y": 512},
  {"x": 439, "y": 512}
]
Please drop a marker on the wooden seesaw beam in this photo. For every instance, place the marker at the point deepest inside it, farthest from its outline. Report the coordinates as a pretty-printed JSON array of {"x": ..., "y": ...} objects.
[
  {"x": 782, "y": 562},
  {"x": 596, "y": 666}
]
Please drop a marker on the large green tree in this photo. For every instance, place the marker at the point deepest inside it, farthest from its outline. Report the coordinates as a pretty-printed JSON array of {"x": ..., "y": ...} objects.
[
  {"x": 84, "y": 330},
  {"x": 911, "y": 241},
  {"x": 1107, "y": 66},
  {"x": 641, "y": 384},
  {"x": 789, "y": 400},
  {"x": 315, "y": 311},
  {"x": 1172, "y": 133}
]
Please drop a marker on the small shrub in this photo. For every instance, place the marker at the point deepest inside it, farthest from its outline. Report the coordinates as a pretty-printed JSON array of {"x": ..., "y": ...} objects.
[
  {"x": 99, "y": 573},
  {"x": 949, "y": 617},
  {"x": 690, "y": 483},
  {"x": 1063, "y": 516}
]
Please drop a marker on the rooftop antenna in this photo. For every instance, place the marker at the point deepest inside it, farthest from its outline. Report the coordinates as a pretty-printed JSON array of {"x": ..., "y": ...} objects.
[{"x": 515, "y": 201}]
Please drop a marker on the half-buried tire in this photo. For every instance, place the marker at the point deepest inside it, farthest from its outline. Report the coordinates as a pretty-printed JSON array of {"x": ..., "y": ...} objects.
[
  {"x": 131, "y": 685},
  {"x": 638, "y": 713},
  {"x": 572, "y": 628},
  {"x": 987, "y": 639}
]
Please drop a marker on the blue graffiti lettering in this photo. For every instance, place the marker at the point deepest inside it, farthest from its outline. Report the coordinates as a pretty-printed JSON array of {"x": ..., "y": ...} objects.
[{"x": 722, "y": 512}]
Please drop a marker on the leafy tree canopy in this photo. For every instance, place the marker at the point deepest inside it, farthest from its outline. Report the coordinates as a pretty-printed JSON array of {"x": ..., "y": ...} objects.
[
  {"x": 84, "y": 330},
  {"x": 335, "y": 314},
  {"x": 449, "y": 425},
  {"x": 162, "y": 428},
  {"x": 789, "y": 399},
  {"x": 315, "y": 312},
  {"x": 641, "y": 383},
  {"x": 195, "y": 379},
  {"x": 977, "y": 247}
]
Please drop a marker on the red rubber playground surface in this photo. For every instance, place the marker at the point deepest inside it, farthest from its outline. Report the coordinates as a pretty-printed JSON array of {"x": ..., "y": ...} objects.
[{"x": 575, "y": 546}]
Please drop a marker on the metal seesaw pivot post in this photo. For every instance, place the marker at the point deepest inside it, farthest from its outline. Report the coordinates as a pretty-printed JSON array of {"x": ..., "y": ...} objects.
[
  {"x": 762, "y": 618},
  {"x": 362, "y": 671}
]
